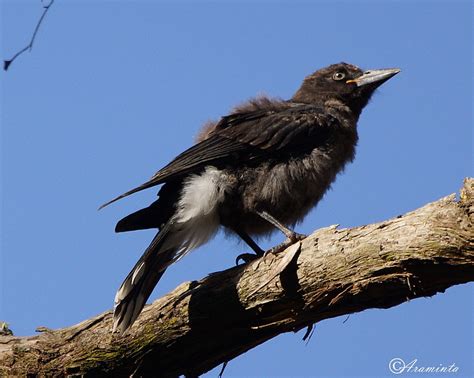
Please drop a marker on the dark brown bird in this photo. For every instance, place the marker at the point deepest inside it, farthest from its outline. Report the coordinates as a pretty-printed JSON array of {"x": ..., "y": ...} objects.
[{"x": 261, "y": 168}]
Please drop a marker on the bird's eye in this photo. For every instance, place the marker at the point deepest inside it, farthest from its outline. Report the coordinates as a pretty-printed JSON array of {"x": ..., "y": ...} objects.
[{"x": 339, "y": 76}]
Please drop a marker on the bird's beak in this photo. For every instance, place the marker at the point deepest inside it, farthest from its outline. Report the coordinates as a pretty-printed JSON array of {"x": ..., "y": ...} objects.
[{"x": 374, "y": 76}]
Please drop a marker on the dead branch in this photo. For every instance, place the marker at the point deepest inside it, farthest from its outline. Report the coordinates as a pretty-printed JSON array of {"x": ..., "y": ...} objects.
[
  {"x": 7, "y": 63},
  {"x": 204, "y": 323}
]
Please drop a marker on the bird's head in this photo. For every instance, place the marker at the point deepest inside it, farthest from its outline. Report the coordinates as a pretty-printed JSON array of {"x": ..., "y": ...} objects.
[{"x": 344, "y": 82}]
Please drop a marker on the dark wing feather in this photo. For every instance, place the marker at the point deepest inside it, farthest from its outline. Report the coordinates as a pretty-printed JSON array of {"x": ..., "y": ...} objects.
[
  {"x": 246, "y": 137},
  {"x": 213, "y": 149},
  {"x": 155, "y": 215}
]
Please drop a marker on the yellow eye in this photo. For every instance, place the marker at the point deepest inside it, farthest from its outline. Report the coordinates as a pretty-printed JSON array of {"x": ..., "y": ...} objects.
[{"x": 339, "y": 76}]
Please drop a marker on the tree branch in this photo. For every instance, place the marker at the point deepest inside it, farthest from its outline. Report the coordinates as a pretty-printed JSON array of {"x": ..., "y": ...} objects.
[
  {"x": 6, "y": 63},
  {"x": 204, "y": 323}
]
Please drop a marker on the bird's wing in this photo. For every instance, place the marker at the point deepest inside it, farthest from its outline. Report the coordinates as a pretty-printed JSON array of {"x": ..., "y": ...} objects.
[
  {"x": 294, "y": 129},
  {"x": 241, "y": 138}
]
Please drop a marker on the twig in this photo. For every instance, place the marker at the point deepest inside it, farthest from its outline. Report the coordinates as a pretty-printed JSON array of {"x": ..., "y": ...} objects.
[
  {"x": 309, "y": 333},
  {"x": 6, "y": 63},
  {"x": 223, "y": 368}
]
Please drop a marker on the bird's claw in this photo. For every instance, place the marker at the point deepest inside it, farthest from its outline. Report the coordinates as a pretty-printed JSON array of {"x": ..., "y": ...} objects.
[
  {"x": 296, "y": 237},
  {"x": 292, "y": 239},
  {"x": 246, "y": 258}
]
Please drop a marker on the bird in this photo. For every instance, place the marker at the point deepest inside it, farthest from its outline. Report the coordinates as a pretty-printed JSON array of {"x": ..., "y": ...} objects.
[{"x": 259, "y": 169}]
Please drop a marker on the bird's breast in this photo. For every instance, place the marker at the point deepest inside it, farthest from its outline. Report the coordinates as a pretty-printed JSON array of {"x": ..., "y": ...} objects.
[{"x": 287, "y": 188}]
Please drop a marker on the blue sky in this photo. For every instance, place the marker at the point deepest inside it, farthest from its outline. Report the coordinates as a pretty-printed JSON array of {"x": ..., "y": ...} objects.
[{"x": 115, "y": 89}]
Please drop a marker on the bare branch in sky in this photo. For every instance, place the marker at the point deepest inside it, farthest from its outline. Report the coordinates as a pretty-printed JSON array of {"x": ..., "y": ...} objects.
[{"x": 7, "y": 63}]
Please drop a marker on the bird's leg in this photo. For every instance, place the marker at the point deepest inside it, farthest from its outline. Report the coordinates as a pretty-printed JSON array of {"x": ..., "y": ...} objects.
[
  {"x": 247, "y": 257},
  {"x": 291, "y": 236}
]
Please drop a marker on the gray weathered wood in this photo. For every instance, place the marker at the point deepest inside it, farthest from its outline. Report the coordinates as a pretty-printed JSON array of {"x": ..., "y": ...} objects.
[{"x": 204, "y": 323}]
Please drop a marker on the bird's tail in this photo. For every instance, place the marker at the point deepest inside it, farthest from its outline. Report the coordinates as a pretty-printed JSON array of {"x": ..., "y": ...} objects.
[
  {"x": 175, "y": 239},
  {"x": 137, "y": 287}
]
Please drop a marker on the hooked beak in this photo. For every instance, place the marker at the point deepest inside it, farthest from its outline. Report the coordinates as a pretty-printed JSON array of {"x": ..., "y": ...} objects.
[{"x": 374, "y": 76}]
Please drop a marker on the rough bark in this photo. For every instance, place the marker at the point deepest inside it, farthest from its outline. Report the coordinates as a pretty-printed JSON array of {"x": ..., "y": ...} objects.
[{"x": 204, "y": 323}]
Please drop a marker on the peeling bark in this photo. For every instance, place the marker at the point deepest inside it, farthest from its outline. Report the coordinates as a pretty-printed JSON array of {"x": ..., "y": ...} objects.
[{"x": 202, "y": 324}]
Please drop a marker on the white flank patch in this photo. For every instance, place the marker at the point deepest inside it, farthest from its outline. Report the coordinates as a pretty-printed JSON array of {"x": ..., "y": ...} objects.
[
  {"x": 197, "y": 219},
  {"x": 200, "y": 195}
]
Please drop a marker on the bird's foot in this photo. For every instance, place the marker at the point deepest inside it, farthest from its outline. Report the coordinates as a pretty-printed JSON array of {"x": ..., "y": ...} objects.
[
  {"x": 297, "y": 237},
  {"x": 291, "y": 239},
  {"x": 246, "y": 258}
]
